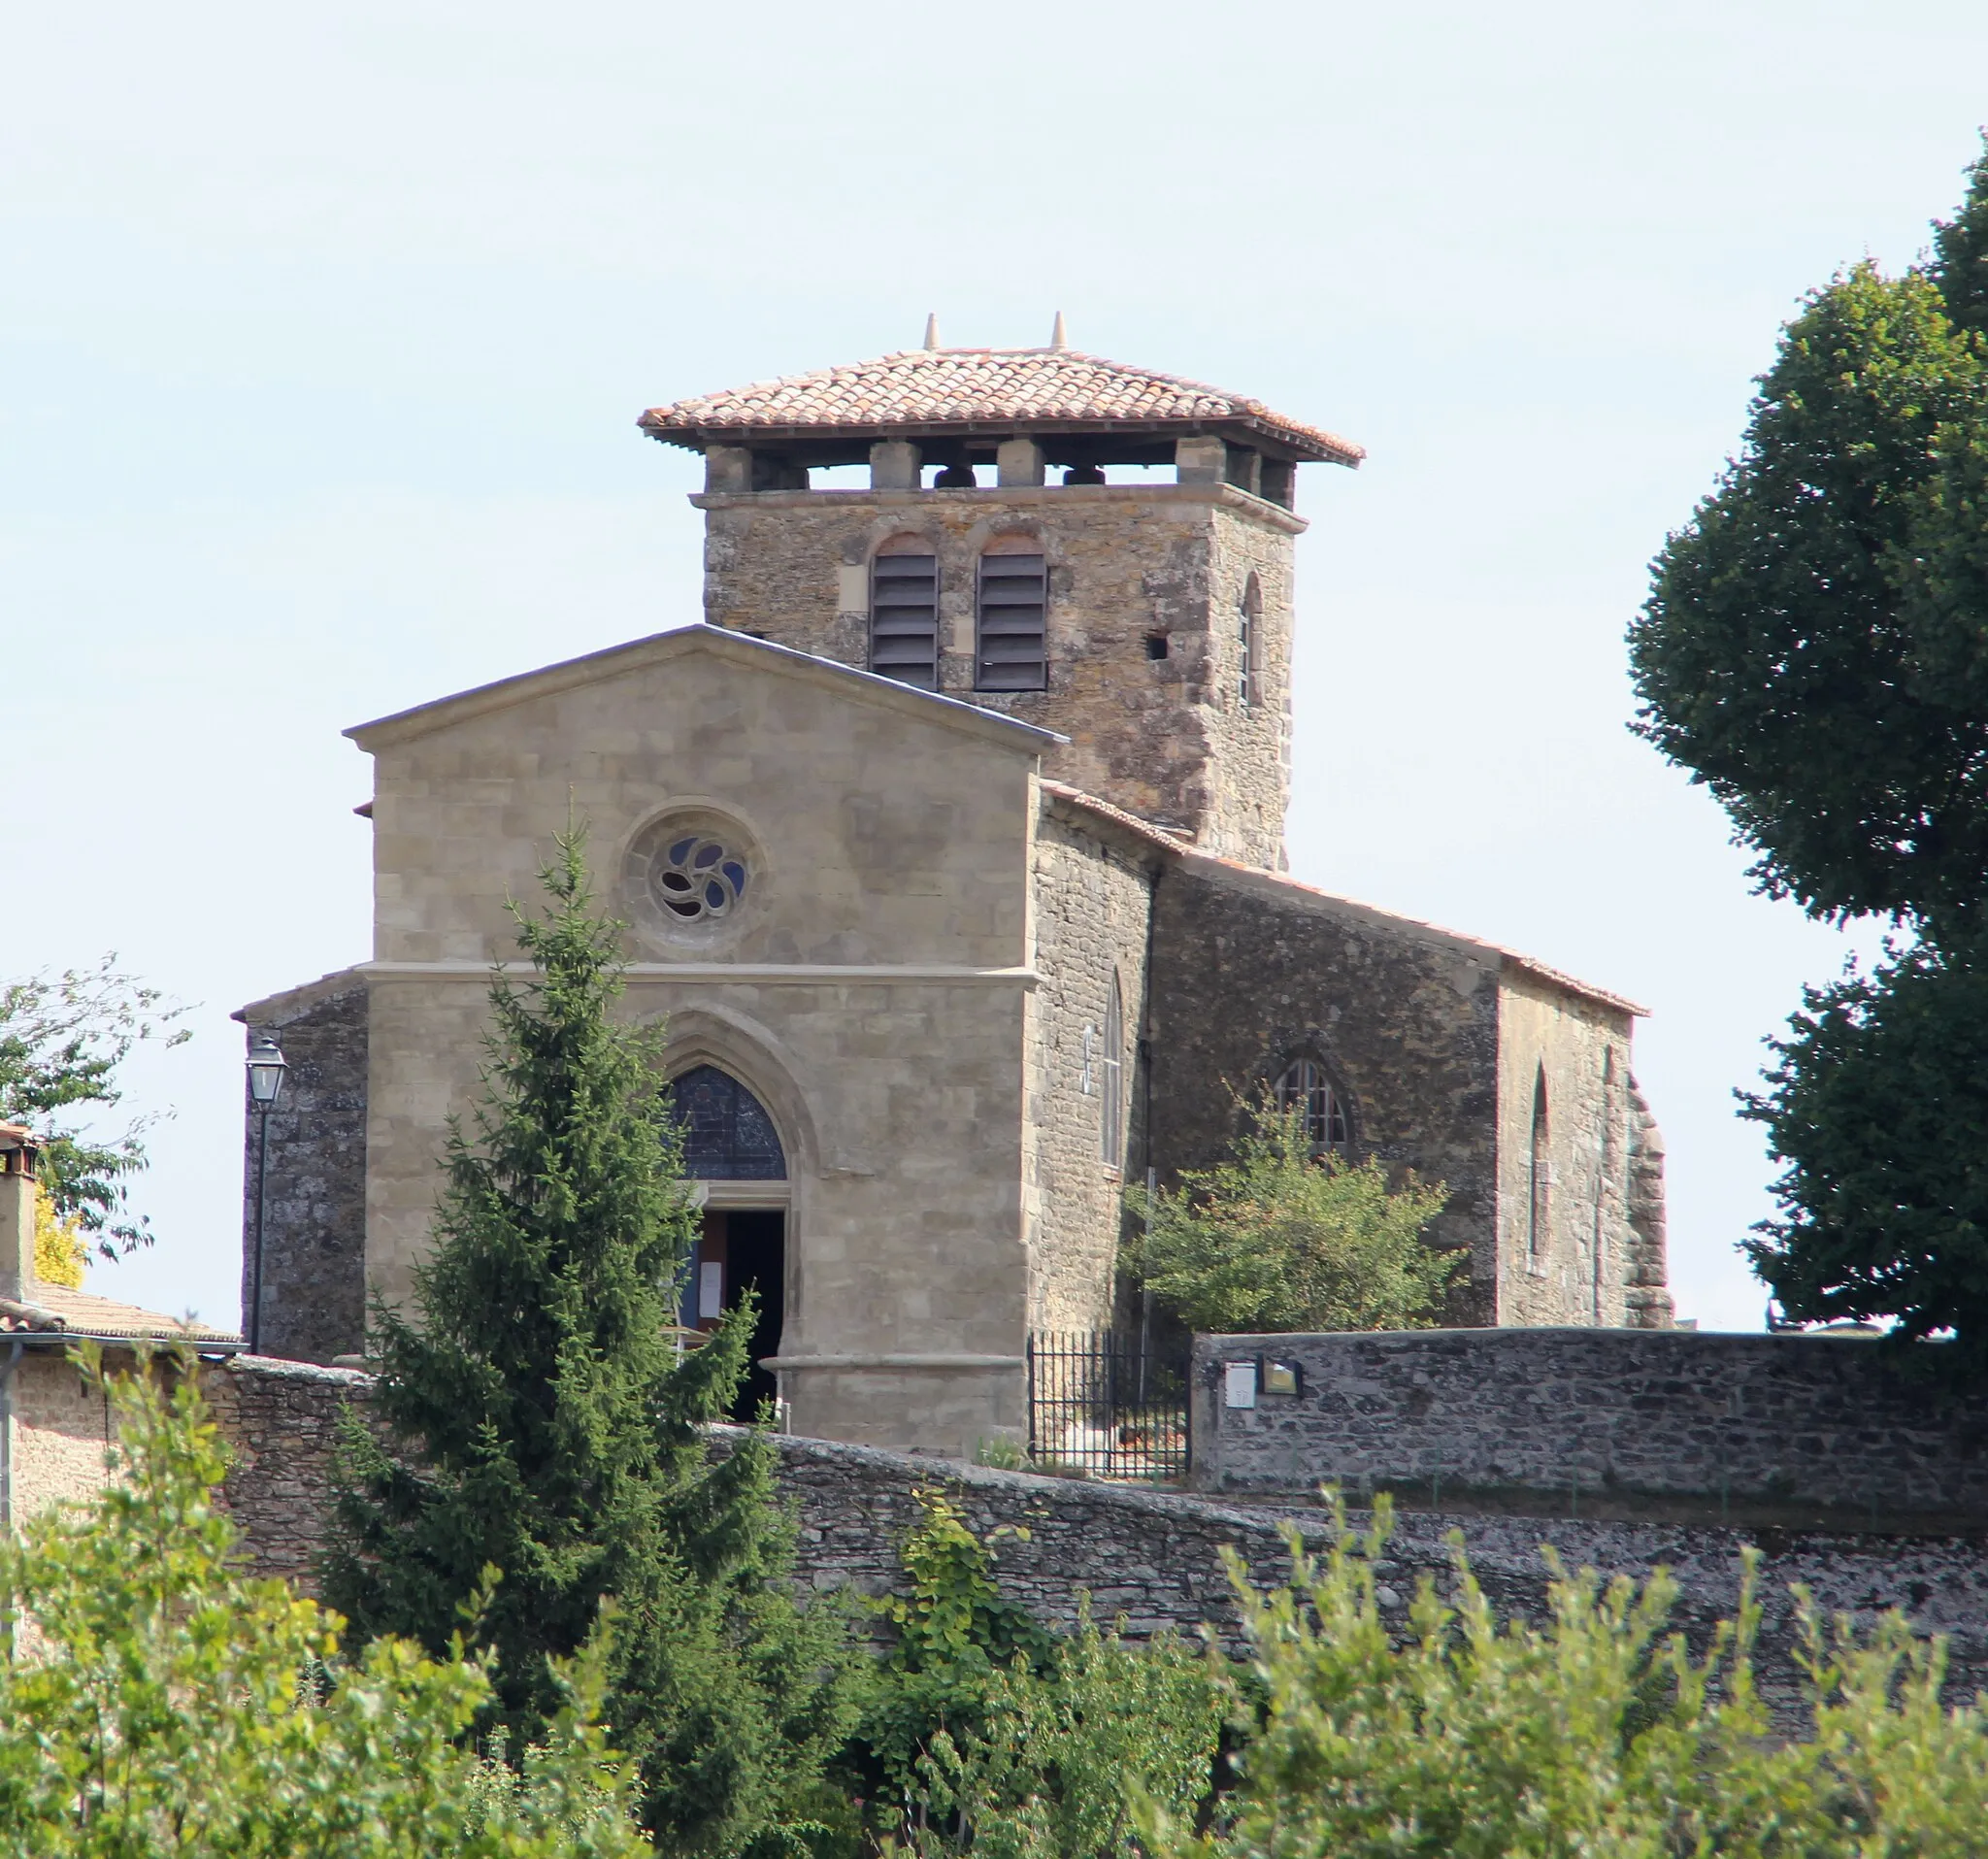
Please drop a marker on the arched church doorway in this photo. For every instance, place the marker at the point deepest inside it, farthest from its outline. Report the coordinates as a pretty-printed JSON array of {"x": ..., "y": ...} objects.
[{"x": 730, "y": 1145}]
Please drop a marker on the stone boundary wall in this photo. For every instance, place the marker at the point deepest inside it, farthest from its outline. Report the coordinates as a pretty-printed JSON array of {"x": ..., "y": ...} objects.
[
  {"x": 1156, "y": 1557},
  {"x": 1802, "y": 1432},
  {"x": 282, "y": 1420}
]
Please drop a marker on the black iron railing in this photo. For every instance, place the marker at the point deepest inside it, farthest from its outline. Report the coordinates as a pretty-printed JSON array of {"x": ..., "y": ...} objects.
[{"x": 1101, "y": 1404}]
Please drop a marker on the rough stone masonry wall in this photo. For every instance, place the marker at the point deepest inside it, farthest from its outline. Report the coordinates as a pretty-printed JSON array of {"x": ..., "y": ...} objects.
[
  {"x": 1783, "y": 1431},
  {"x": 1250, "y": 779},
  {"x": 1575, "y": 1268},
  {"x": 1127, "y": 563},
  {"x": 282, "y": 1420},
  {"x": 314, "y": 1249},
  {"x": 1250, "y": 974},
  {"x": 1092, "y": 905},
  {"x": 1156, "y": 1557}
]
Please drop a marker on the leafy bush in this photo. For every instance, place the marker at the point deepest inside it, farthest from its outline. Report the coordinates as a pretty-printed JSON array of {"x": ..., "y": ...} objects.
[
  {"x": 984, "y": 1729},
  {"x": 1277, "y": 1240},
  {"x": 1598, "y": 1735},
  {"x": 155, "y": 1701}
]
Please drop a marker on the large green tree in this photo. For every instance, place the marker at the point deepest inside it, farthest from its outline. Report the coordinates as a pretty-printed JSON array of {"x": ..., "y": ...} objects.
[
  {"x": 1815, "y": 651},
  {"x": 537, "y": 1418}
]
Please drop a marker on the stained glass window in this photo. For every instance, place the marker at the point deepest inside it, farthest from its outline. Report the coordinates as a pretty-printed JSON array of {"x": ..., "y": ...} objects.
[
  {"x": 727, "y": 1134},
  {"x": 697, "y": 879}
]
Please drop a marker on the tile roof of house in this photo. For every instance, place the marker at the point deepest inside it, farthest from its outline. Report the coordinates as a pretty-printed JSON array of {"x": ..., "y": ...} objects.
[
  {"x": 56, "y": 1310},
  {"x": 940, "y": 390}
]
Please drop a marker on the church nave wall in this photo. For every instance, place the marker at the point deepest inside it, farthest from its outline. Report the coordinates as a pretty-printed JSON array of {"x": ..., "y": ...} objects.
[
  {"x": 1251, "y": 972},
  {"x": 1566, "y": 1251},
  {"x": 1092, "y": 908}
]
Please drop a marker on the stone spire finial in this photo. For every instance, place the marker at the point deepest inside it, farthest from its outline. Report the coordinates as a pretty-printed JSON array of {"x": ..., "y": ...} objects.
[
  {"x": 1059, "y": 337},
  {"x": 932, "y": 330}
]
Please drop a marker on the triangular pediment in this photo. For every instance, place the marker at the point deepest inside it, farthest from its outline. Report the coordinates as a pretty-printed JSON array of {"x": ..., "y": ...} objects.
[{"x": 757, "y": 657}]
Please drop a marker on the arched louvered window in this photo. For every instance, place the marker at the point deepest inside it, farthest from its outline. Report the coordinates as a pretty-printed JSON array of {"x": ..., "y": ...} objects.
[
  {"x": 1540, "y": 1176},
  {"x": 1012, "y": 642},
  {"x": 904, "y": 613},
  {"x": 1112, "y": 1082},
  {"x": 1249, "y": 659},
  {"x": 1307, "y": 1086}
]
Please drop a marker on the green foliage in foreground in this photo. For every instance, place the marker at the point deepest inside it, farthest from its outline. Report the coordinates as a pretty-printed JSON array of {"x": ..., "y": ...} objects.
[
  {"x": 543, "y": 1422},
  {"x": 1277, "y": 1239},
  {"x": 983, "y": 1731},
  {"x": 1596, "y": 1737},
  {"x": 156, "y": 1702}
]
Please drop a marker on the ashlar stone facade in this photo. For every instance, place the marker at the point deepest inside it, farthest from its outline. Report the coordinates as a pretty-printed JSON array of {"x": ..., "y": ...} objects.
[{"x": 952, "y": 848}]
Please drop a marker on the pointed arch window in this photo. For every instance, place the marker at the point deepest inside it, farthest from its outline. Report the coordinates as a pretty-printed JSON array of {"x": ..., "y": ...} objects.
[
  {"x": 904, "y": 613},
  {"x": 1249, "y": 659},
  {"x": 1012, "y": 611},
  {"x": 1540, "y": 1176},
  {"x": 1112, "y": 1080},
  {"x": 1307, "y": 1085},
  {"x": 727, "y": 1134}
]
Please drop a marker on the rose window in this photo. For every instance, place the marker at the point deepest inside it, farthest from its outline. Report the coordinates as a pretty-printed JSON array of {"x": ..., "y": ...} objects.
[{"x": 697, "y": 880}]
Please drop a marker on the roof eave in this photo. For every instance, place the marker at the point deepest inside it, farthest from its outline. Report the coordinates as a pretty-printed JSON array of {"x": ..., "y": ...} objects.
[{"x": 698, "y": 436}]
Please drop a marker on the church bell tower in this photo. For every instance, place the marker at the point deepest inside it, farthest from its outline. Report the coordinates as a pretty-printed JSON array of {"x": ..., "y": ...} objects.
[{"x": 992, "y": 560}]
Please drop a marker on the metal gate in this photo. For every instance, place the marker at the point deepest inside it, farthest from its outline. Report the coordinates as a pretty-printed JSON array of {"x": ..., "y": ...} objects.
[{"x": 1102, "y": 1404}]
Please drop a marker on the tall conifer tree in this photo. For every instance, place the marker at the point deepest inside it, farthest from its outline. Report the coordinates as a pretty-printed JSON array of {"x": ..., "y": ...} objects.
[{"x": 537, "y": 1419}]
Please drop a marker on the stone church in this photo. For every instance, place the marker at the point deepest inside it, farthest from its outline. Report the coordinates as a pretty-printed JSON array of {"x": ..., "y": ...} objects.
[{"x": 951, "y": 841}]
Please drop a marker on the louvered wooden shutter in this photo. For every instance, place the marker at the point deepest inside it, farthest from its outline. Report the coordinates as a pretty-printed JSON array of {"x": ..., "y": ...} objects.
[
  {"x": 904, "y": 619},
  {"x": 1013, "y": 596}
]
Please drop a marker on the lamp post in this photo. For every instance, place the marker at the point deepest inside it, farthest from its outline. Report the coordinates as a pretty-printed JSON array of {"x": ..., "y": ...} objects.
[{"x": 266, "y": 1067}]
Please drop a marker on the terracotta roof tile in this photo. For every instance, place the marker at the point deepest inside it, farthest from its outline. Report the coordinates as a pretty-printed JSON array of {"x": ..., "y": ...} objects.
[
  {"x": 58, "y": 1310},
  {"x": 980, "y": 387}
]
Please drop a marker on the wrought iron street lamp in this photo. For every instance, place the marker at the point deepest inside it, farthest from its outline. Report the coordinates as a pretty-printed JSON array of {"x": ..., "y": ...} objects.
[{"x": 267, "y": 1067}]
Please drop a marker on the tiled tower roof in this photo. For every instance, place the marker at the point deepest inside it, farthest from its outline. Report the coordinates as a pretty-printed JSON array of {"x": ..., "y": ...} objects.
[{"x": 933, "y": 392}]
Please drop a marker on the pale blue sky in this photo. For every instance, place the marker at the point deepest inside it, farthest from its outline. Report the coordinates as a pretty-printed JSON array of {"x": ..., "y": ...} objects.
[{"x": 324, "y": 332}]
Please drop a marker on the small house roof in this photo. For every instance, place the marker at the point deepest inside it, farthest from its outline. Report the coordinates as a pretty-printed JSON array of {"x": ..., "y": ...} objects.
[
  {"x": 58, "y": 1311},
  {"x": 962, "y": 392}
]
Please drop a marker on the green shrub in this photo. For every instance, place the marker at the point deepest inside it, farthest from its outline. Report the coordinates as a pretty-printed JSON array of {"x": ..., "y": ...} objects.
[
  {"x": 1275, "y": 1239},
  {"x": 984, "y": 1729},
  {"x": 1598, "y": 1734},
  {"x": 155, "y": 1701}
]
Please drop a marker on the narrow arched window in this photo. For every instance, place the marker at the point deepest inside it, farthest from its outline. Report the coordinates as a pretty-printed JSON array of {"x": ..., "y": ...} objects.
[
  {"x": 904, "y": 613},
  {"x": 1112, "y": 1080},
  {"x": 1305, "y": 1086},
  {"x": 1249, "y": 658},
  {"x": 1011, "y": 614},
  {"x": 1540, "y": 1175}
]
